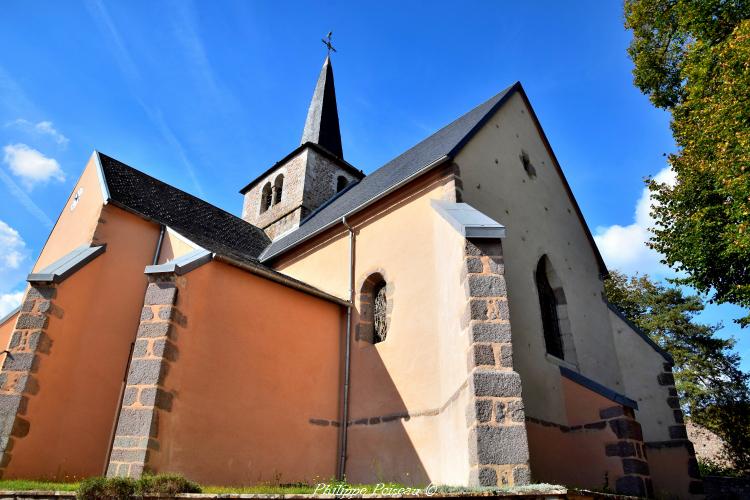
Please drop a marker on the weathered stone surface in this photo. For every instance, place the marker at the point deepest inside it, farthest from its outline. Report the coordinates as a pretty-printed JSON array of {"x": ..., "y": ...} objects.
[
  {"x": 521, "y": 476},
  {"x": 673, "y": 402},
  {"x": 19, "y": 361},
  {"x": 482, "y": 354},
  {"x": 9, "y": 404},
  {"x": 506, "y": 356},
  {"x": 128, "y": 398},
  {"x": 167, "y": 313},
  {"x": 135, "y": 422},
  {"x": 28, "y": 321},
  {"x": 499, "y": 445},
  {"x": 630, "y": 485},
  {"x": 41, "y": 292},
  {"x": 163, "y": 348},
  {"x": 516, "y": 410},
  {"x": 498, "y": 384},
  {"x": 491, "y": 332},
  {"x": 140, "y": 348},
  {"x": 483, "y": 410},
  {"x": 620, "y": 449},
  {"x": 487, "y": 285},
  {"x": 626, "y": 429},
  {"x": 161, "y": 294},
  {"x": 635, "y": 466},
  {"x": 145, "y": 371},
  {"x": 679, "y": 417},
  {"x": 474, "y": 265},
  {"x": 151, "y": 396},
  {"x": 130, "y": 442},
  {"x": 499, "y": 411},
  {"x": 160, "y": 329},
  {"x": 487, "y": 477},
  {"x": 128, "y": 455},
  {"x": 147, "y": 314},
  {"x": 481, "y": 246},
  {"x": 611, "y": 412}
]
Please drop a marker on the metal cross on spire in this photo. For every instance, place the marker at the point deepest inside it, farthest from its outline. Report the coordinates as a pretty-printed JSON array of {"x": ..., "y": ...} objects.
[{"x": 327, "y": 42}]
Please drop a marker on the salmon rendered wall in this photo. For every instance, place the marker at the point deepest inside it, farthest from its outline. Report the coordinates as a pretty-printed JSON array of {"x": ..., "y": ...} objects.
[
  {"x": 92, "y": 324},
  {"x": 408, "y": 393},
  {"x": 6, "y": 329},
  {"x": 254, "y": 382}
]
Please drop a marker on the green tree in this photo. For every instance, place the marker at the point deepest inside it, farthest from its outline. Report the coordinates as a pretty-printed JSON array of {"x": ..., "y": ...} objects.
[
  {"x": 713, "y": 389},
  {"x": 692, "y": 57}
]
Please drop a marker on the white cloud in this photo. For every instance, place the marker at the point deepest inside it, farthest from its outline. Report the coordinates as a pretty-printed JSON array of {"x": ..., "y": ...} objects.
[
  {"x": 44, "y": 128},
  {"x": 31, "y": 166},
  {"x": 624, "y": 247},
  {"x": 9, "y": 301},
  {"x": 12, "y": 247}
]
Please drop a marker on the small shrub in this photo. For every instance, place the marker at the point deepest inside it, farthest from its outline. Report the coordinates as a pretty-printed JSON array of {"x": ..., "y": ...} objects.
[
  {"x": 102, "y": 488},
  {"x": 165, "y": 484}
]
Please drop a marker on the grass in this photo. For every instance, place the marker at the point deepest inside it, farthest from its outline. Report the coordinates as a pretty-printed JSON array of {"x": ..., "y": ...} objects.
[{"x": 27, "y": 484}]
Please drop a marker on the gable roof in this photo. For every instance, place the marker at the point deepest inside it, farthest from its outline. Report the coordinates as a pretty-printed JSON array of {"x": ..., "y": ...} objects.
[
  {"x": 207, "y": 225},
  {"x": 436, "y": 149}
]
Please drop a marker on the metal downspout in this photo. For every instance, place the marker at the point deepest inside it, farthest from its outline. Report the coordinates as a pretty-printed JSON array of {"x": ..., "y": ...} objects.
[{"x": 347, "y": 358}]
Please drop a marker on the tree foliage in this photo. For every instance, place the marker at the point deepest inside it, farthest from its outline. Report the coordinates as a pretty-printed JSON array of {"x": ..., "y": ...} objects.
[
  {"x": 692, "y": 57},
  {"x": 714, "y": 390}
]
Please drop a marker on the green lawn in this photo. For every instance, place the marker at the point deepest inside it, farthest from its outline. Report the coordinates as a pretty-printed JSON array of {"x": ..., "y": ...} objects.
[{"x": 26, "y": 484}]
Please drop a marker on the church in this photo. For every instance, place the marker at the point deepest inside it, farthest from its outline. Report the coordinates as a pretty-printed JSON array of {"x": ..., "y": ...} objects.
[{"x": 439, "y": 320}]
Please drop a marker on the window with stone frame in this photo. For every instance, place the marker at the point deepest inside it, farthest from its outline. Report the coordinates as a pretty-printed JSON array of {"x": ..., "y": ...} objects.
[
  {"x": 375, "y": 309},
  {"x": 265, "y": 197},
  {"x": 278, "y": 188},
  {"x": 341, "y": 183},
  {"x": 548, "y": 306}
]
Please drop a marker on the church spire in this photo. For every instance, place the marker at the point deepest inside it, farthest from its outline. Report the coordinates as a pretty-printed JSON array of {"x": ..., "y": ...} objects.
[{"x": 322, "y": 124}]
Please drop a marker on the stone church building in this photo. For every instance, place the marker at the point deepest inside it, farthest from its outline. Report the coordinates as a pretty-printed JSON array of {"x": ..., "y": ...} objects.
[{"x": 441, "y": 320}]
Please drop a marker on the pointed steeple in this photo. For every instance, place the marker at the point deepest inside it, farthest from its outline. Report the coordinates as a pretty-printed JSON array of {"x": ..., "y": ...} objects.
[{"x": 322, "y": 124}]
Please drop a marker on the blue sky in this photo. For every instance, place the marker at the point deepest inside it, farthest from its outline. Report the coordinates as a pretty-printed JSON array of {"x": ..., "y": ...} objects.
[{"x": 207, "y": 95}]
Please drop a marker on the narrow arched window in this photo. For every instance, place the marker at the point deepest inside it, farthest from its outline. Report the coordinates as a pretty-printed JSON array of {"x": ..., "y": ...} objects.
[
  {"x": 548, "y": 305},
  {"x": 341, "y": 183},
  {"x": 265, "y": 197},
  {"x": 375, "y": 308},
  {"x": 278, "y": 187}
]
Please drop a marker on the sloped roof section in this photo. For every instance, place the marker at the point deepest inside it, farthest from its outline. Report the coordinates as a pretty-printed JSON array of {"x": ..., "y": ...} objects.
[
  {"x": 442, "y": 145},
  {"x": 207, "y": 225}
]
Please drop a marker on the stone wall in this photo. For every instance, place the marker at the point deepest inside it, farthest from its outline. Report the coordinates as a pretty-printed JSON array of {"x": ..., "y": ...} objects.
[
  {"x": 498, "y": 447},
  {"x": 17, "y": 382},
  {"x": 144, "y": 398}
]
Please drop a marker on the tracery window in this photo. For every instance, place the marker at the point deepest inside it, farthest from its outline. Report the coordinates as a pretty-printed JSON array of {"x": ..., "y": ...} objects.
[{"x": 375, "y": 309}]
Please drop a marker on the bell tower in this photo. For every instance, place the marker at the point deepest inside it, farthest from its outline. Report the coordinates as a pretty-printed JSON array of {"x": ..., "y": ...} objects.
[{"x": 281, "y": 198}]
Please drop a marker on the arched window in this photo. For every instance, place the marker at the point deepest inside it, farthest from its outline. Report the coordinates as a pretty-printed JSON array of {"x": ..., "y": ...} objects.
[
  {"x": 548, "y": 305},
  {"x": 375, "y": 309},
  {"x": 265, "y": 197},
  {"x": 341, "y": 183},
  {"x": 278, "y": 187}
]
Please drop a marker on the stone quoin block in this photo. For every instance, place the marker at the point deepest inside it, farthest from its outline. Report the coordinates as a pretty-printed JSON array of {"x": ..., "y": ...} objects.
[
  {"x": 41, "y": 292},
  {"x": 487, "y": 477},
  {"x": 131, "y": 455},
  {"x": 482, "y": 355},
  {"x": 506, "y": 356},
  {"x": 145, "y": 371},
  {"x": 635, "y": 466},
  {"x": 677, "y": 432},
  {"x": 521, "y": 475},
  {"x": 137, "y": 422},
  {"x": 474, "y": 265},
  {"x": 620, "y": 449},
  {"x": 497, "y": 384},
  {"x": 160, "y": 294},
  {"x": 160, "y": 329},
  {"x": 665, "y": 379},
  {"x": 499, "y": 445},
  {"x": 626, "y": 429},
  {"x": 630, "y": 485},
  {"x": 18, "y": 361},
  {"x": 516, "y": 411},
  {"x": 147, "y": 314},
  {"x": 31, "y": 321},
  {"x": 480, "y": 247},
  {"x": 487, "y": 285},
  {"x": 499, "y": 411},
  {"x": 492, "y": 309},
  {"x": 140, "y": 348},
  {"x": 483, "y": 410},
  {"x": 612, "y": 412},
  {"x": 491, "y": 332}
]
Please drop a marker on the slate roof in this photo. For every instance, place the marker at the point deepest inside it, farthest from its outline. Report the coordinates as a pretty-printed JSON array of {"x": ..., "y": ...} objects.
[
  {"x": 446, "y": 142},
  {"x": 207, "y": 225},
  {"x": 322, "y": 123}
]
